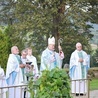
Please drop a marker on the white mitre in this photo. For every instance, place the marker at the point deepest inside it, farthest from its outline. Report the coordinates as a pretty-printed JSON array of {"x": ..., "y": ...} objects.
[{"x": 51, "y": 40}]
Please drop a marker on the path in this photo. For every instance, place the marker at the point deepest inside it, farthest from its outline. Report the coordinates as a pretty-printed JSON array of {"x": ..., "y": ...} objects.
[{"x": 94, "y": 94}]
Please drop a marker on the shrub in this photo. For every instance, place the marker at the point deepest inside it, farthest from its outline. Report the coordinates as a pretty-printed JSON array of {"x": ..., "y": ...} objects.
[
  {"x": 51, "y": 84},
  {"x": 4, "y": 48},
  {"x": 93, "y": 72}
]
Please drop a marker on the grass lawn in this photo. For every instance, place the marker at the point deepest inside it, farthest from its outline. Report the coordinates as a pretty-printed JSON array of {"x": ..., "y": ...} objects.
[{"x": 94, "y": 84}]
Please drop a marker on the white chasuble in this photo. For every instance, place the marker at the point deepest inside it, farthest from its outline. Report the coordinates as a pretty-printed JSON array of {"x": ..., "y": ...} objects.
[{"x": 50, "y": 59}]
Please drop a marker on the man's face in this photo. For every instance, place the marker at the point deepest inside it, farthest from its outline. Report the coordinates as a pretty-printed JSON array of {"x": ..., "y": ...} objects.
[
  {"x": 24, "y": 54},
  {"x": 79, "y": 48},
  {"x": 16, "y": 50},
  {"x": 29, "y": 52},
  {"x": 51, "y": 47}
]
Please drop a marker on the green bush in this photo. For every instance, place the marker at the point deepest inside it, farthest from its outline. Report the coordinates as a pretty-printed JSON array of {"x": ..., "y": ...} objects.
[
  {"x": 4, "y": 48},
  {"x": 51, "y": 84}
]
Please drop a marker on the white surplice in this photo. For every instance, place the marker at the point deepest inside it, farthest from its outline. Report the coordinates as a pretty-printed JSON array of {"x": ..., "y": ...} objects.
[
  {"x": 34, "y": 63},
  {"x": 14, "y": 77},
  {"x": 76, "y": 72},
  {"x": 2, "y": 84}
]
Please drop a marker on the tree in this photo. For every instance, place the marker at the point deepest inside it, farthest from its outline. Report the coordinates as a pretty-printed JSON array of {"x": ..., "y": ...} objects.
[
  {"x": 50, "y": 17},
  {"x": 94, "y": 58},
  {"x": 38, "y": 19},
  {"x": 93, "y": 10},
  {"x": 4, "y": 48}
]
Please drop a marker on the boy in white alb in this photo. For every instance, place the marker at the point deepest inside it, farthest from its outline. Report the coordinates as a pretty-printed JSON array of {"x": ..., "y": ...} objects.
[{"x": 31, "y": 58}]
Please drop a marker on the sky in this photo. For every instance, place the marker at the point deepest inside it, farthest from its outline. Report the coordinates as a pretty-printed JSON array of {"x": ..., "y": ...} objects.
[{"x": 94, "y": 31}]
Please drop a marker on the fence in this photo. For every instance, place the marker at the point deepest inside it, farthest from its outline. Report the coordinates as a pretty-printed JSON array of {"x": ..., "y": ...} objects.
[
  {"x": 7, "y": 92},
  {"x": 18, "y": 91}
]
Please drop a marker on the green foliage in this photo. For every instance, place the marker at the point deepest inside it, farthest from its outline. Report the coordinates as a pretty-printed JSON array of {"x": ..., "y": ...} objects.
[
  {"x": 4, "y": 48},
  {"x": 51, "y": 84},
  {"x": 93, "y": 10},
  {"x": 93, "y": 72},
  {"x": 94, "y": 58}
]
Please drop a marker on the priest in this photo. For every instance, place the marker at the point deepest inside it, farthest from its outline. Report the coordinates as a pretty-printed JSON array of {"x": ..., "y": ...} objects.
[
  {"x": 14, "y": 76},
  {"x": 78, "y": 70}
]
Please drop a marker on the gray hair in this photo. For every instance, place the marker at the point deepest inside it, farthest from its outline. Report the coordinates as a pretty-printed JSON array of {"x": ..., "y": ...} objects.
[{"x": 12, "y": 48}]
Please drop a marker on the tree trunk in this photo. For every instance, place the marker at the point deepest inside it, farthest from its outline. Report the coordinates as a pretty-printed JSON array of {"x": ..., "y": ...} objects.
[{"x": 56, "y": 20}]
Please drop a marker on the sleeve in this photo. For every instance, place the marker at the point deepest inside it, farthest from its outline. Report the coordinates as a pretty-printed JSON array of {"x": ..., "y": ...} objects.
[
  {"x": 12, "y": 66},
  {"x": 59, "y": 60},
  {"x": 72, "y": 60},
  {"x": 85, "y": 58},
  {"x": 72, "y": 65},
  {"x": 1, "y": 73},
  {"x": 44, "y": 61},
  {"x": 61, "y": 54},
  {"x": 36, "y": 68}
]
